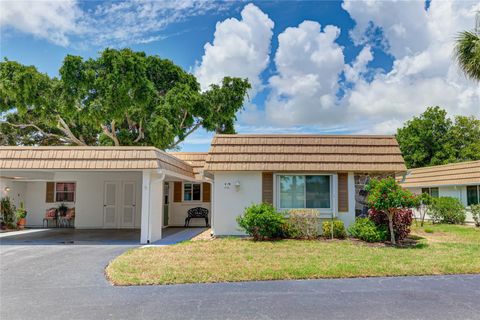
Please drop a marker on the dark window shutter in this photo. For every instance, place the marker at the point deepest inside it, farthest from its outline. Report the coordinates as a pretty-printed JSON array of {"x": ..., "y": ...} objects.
[
  {"x": 267, "y": 187},
  {"x": 343, "y": 192},
  {"x": 207, "y": 192},
  {"x": 50, "y": 194},
  {"x": 177, "y": 191}
]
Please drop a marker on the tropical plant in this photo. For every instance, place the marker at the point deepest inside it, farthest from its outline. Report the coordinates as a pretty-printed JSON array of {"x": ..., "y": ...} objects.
[
  {"x": 467, "y": 53},
  {"x": 334, "y": 228},
  {"x": 7, "y": 210},
  {"x": 62, "y": 209},
  {"x": 388, "y": 196},
  {"x": 21, "y": 212},
  {"x": 122, "y": 97},
  {"x": 475, "y": 208},
  {"x": 262, "y": 221},
  {"x": 447, "y": 210},
  {"x": 366, "y": 230}
]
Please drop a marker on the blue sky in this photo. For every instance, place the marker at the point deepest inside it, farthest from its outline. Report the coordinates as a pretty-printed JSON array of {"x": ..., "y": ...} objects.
[{"x": 317, "y": 67}]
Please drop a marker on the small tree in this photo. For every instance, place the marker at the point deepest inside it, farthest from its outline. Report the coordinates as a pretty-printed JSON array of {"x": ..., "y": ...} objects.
[
  {"x": 424, "y": 202},
  {"x": 388, "y": 196}
]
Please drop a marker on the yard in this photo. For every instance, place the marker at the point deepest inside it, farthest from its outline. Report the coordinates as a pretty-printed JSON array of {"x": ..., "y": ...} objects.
[{"x": 449, "y": 249}]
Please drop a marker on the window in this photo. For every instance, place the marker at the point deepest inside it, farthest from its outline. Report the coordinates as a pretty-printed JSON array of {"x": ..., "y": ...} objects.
[
  {"x": 192, "y": 191},
  {"x": 65, "y": 192},
  {"x": 433, "y": 192},
  {"x": 298, "y": 191},
  {"x": 473, "y": 195}
]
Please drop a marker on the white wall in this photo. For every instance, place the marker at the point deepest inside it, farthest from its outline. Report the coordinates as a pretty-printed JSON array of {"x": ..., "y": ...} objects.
[
  {"x": 16, "y": 193},
  {"x": 88, "y": 198},
  {"x": 177, "y": 211},
  {"x": 229, "y": 203},
  {"x": 458, "y": 192}
]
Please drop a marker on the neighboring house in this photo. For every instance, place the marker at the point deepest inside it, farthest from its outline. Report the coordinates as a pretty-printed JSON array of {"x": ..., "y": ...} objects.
[
  {"x": 458, "y": 180},
  {"x": 147, "y": 189}
]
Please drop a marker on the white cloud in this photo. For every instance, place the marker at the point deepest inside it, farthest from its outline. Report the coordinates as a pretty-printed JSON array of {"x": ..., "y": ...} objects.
[
  {"x": 52, "y": 20},
  {"x": 241, "y": 48},
  {"x": 107, "y": 24},
  {"x": 358, "y": 68},
  {"x": 423, "y": 73},
  {"x": 308, "y": 63}
]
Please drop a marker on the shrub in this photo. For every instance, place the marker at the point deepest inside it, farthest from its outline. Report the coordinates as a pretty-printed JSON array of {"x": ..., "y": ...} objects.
[
  {"x": 475, "y": 208},
  {"x": 447, "y": 210},
  {"x": 7, "y": 209},
  {"x": 388, "y": 196},
  {"x": 366, "y": 230},
  {"x": 339, "y": 231},
  {"x": 303, "y": 223},
  {"x": 262, "y": 221},
  {"x": 428, "y": 230},
  {"x": 402, "y": 220}
]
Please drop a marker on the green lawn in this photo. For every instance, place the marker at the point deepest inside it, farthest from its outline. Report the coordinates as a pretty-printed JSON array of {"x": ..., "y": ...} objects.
[{"x": 448, "y": 250}]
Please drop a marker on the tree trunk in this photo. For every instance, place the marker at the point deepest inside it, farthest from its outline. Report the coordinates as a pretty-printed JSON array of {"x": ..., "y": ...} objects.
[
  {"x": 424, "y": 212},
  {"x": 390, "y": 226}
]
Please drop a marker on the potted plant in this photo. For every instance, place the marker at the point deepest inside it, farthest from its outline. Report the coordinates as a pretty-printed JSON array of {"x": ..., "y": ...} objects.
[
  {"x": 62, "y": 209},
  {"x": 21, "y": 215}
]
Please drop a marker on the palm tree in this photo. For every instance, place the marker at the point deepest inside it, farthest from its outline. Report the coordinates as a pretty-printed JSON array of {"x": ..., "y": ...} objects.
[{"x": 467, "y": 51}]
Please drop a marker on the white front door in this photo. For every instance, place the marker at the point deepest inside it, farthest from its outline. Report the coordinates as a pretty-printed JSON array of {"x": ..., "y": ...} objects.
[
  {"x": 110, "y": 205},
  {"x": 128, "y": 205}
]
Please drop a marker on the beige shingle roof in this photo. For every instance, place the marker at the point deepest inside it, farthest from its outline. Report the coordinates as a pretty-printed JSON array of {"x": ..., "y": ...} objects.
[
  {"x": 450, "y": 174},
  {"x": 113, "y": 158},
  {"x": 304, "y": 153},
  {"x": 195, "y": 159}
]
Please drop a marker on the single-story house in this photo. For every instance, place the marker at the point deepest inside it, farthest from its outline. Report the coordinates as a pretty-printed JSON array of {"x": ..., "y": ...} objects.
[
  {"x": 148, "y": 189},
  {"x": 458, "y": 180}
]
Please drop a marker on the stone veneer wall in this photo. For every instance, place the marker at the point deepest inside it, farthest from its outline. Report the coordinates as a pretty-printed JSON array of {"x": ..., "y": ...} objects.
[{"x": 361, "y": 179}]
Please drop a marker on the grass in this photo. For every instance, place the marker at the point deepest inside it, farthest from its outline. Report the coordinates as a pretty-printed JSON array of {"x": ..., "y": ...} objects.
[{"x": 448, "y": 250}]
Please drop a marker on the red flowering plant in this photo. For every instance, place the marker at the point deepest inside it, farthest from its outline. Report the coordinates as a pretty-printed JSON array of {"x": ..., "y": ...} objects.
[
  {"x": 402, "y": 220},
  {"x": 388, "y": 197}
]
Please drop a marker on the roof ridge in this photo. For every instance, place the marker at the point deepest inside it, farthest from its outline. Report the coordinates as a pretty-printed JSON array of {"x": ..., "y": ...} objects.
[
  {"x": 286, "y": 135},
  {"x": 445, "y": 165}
]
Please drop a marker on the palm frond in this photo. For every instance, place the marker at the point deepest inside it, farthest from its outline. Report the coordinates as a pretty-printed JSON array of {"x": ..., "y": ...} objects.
[{"x": 467, "y": 54}]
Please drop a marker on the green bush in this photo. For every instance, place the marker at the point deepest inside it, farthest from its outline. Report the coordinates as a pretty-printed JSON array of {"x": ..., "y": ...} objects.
[
  {"x": 447, "y": 210},
  {"x": 428, "y": 230},
  {"x": 339, "y": 231},
  {"x": 303, "y": 224},
  {"x": 262, "y": 221},
  {"x": 7, "y": 210},
  {"x": 366, "y": 230},
  {"x": 475, "y": 208}
]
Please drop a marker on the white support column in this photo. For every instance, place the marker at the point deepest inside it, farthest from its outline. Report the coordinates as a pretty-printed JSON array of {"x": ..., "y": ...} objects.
[
  {"x": 212, "y": 206},
  {"x": 145, "y": 223},
  {"x": 156, "y": 208}
]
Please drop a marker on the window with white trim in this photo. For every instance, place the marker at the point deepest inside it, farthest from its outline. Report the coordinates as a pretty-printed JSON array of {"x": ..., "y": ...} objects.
[
  {"x": 473, "y": 195},
  {"x": 65, "y": 191},
  {"x": 433, "y": 192},
  {"x": 304, "y": 191},
  {"x": 192, "y": 191}
]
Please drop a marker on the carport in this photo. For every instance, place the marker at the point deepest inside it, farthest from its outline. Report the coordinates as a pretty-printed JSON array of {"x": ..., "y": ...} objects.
[{"x": 113, "y": 190}]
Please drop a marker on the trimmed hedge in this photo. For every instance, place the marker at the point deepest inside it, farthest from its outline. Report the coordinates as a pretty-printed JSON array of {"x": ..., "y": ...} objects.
[
  {"x": 339, "y": 231},
  {"x": 303, "y": 224},
  {"x": 366, "y": 230}
]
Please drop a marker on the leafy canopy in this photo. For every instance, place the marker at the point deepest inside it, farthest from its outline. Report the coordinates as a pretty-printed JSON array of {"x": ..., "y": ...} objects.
[
  {"x": 434, "y": 139},
  {"x": 386, "y": 194},
  {"x": 120, "y": 98}
]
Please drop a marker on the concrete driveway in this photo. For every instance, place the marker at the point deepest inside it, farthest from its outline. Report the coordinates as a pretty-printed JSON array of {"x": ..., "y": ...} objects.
[{"x": 67, "y": 282}]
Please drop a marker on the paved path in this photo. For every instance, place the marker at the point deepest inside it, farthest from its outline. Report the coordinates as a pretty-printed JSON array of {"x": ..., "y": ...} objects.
[{"x": 67, "y": 282}]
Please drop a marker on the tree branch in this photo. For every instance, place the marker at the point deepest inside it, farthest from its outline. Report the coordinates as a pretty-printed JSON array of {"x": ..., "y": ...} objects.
[
  {"x": 140, "y": 133},
  {"x": 111, "y": 134},
  {"x": 26, "y": 125},
  {"x": 66, "y": 130},
  {"x": 195, "y": 127},
  {"x": 184, "y": 118}
]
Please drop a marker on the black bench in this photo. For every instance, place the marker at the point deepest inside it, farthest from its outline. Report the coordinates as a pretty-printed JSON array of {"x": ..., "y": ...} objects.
[{"x": 197, "y": 212}]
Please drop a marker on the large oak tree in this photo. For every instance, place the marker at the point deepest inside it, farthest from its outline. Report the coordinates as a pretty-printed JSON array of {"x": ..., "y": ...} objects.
[
  {"x": 433, "y": 139},
  {"x": 121, "y": 98}
]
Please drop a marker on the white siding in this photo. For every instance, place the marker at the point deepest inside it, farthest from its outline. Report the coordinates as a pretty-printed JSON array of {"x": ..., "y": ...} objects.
[
  {"x": 88, "y": 198},
  {"x": 177, "y": 211},
  {"x": 230, "y": 203},
  {"x": 458, "y": 192}
]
